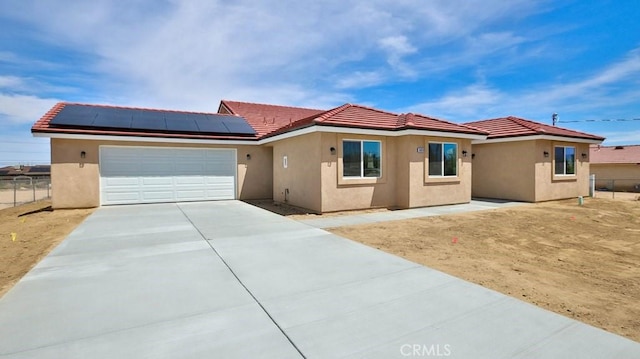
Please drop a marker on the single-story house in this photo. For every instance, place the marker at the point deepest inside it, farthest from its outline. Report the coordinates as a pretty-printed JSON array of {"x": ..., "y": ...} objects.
[
  {"x": 616, "y": 167},
  {"x": 37, "y": 171},
  {"x": 349, "y": 157},
  {"x": 529, "y": 161}
]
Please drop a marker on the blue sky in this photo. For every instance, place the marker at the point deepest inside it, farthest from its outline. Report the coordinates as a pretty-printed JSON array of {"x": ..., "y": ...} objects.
[{"x": 457, "y": 60}]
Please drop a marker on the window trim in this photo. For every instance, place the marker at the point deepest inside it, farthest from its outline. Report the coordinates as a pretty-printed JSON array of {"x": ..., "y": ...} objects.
[
  {"x": 428, "y": 153},
  {"x": 361, "y": 177},
  {"x": 564, "y": 153}
]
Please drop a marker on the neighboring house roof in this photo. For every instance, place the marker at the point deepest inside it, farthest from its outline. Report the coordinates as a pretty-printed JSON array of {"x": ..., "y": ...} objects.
[
  {"x": 357, "y": 116},
  {"x": 144, "y": 122},
  {"x": 14, "y": 171},
  {"x": 264, "y": 118},
  {"x": 615, "y": 154},
  {"x": 506, "y": 127}
]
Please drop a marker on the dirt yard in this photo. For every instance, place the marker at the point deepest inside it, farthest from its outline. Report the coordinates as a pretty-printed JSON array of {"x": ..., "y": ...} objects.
[
  {"x": 37, "y": 230},
  {"x": 580, "y": 261}
]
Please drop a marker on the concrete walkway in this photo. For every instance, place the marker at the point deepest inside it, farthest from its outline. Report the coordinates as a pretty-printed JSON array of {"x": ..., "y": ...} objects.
[
  {"x": 364, "y": 218},
  {"x": 228, "y": 280}
]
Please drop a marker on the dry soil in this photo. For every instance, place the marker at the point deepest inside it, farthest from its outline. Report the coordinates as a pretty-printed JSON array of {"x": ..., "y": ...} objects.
[
  {"x": 28, "y": 233},
  {"x": 580, "y": 261}
]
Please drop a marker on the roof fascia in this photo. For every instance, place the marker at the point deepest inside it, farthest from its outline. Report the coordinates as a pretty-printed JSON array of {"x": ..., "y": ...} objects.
[
  {"x": 71, "y": 136},
  {"x": 536, "y": 137},
  {"x": 371, "y": 132}
]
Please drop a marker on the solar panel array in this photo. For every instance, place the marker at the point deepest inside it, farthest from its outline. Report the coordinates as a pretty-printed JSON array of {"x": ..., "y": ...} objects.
[
  {"x": 39, "y": 169},
  {"x": 150, "y": 120}
]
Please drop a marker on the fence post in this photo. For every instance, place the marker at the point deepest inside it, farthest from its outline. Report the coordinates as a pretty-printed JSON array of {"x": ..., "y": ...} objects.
[
  {"x": 613, "y": 185},
  {"x": 33, "y": 187},
  {"x": 14, "y": 193}
]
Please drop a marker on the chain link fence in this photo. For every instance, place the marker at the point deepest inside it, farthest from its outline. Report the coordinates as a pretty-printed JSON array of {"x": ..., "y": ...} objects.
[
  {"x": 24, "y": 189},
  {"x": 617, "y": 188}
]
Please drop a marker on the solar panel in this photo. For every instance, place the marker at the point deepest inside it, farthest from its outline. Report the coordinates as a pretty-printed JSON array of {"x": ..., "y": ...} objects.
[
  {"x": 206, "y": 124},
  {"x": 238, "y": 125},
  {"x": 149, "y": 120},
  {"x": 75, "y": 115},
  {"x": 113, "y": 118},
  {"x": 181, "y": 122},
  {"x": 39, "y": 169}
]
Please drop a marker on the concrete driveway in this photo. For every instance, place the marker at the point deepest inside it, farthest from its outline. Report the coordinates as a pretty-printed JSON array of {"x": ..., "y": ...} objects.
[{"x": 228, "y": 280}]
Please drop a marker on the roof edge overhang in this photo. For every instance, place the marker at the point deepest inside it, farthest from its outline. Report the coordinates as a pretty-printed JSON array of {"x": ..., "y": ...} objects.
[
  {"x": 373, "y": 132},
  {"x": 297, "y": 132},
  {"x": 122, "y": 138},
  {"x": 537, "y": 137}
]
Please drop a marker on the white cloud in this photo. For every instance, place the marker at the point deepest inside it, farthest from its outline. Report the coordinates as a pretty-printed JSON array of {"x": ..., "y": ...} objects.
[
  {"x": 190, "y": 54},
  {"x": 360, "y": 79},
  {"x": 605, "y": 90},
  {"x": 10, "y": 82},
  {"x": 23, "y": 109},
  {"x": 621, "y": 137},
  {"x": 397, "y": 45}
]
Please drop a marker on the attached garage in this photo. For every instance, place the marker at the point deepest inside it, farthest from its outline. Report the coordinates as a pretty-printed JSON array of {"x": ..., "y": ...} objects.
[{"x": 130, "y": 175}]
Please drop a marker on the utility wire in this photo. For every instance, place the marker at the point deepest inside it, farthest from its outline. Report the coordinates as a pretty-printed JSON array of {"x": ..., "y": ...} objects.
[{"x": 603, "y": 120}]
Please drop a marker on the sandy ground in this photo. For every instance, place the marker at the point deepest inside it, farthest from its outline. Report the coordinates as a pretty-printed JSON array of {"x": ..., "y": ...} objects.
[
  {"x": 580, "y": 261},
  {"x": 22, "y": 196},
  {"x": 618, "y": 195},
  {"x": 36, "y": 234}
]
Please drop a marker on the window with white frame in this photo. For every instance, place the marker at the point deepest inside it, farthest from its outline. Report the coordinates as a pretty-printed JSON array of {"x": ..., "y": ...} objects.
[
  {"x": 443, "y": 159},
  {"x": 361, "y": 159},
  {"x": 565, "y": 157}
]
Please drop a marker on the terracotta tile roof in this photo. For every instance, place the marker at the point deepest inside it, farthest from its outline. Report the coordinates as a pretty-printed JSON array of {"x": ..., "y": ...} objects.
[
  {"x": 615, "y": 154},
  {"x": 43, "y": 125},
  {"x": 269, "y": 120},
  {"x": 264, "y": 118},
  {"x": 357, "y": 116},
  {"x": 516, "y": 127}
]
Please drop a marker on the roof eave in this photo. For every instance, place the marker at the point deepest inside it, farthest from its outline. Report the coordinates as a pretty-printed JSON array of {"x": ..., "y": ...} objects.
[
  {"x": 131, "y": 136},
  {"x": 527, "y": 137}
]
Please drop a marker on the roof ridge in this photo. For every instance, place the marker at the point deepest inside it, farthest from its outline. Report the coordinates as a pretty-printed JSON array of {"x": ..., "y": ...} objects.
[
  {"x": 451, "y": 123},
  {"x": 270, "y": 105},
  {"x": 329, "y": 113},
  {"x": 532, "y": 125}
]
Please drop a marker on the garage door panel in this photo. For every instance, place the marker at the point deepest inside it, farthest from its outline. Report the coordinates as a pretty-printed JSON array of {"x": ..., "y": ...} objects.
[
  {"x": 158, "y": 195},
  {"x": 127, "y": 196},
  {"x": 190, "y": 180},
  {"x": 156, "y": 181},
  {"x": 148, "y": 175},
  {"x": 122, "y": 181}
]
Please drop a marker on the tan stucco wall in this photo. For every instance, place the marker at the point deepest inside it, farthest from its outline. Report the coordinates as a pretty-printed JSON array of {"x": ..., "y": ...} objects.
[
  {"x": 404, "y": 181},
  {"x": 504, "y": 170},
  {"x": 550, "y": 187},
  {"x": 299, "y": 183},
  {"x": 519, "y": 171},
  {"x": 427, "y": 191},
  {"x": 76, "y": 181},
  {"x": 627, "y": 175},
  {"x": 339, "y": 194}
]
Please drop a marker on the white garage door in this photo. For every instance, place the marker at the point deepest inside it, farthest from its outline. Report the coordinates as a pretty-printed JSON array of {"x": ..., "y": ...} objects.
[{"x": 151, "y": 174}]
